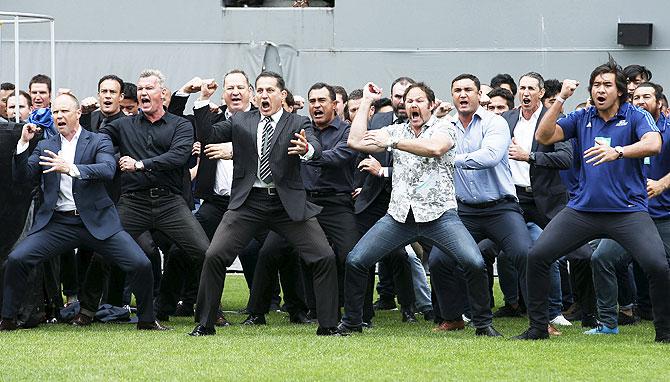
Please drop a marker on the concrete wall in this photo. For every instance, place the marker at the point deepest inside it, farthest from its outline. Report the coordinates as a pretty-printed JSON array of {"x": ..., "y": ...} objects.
[{"x": 357, "y": 41}]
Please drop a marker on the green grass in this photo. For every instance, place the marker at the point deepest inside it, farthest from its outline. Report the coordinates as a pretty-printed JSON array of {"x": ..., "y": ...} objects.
[{"x": 390, "y": 351}]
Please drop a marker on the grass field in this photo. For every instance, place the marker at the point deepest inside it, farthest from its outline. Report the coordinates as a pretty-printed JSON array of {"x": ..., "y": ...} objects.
[{"x": 391, "y": 351}]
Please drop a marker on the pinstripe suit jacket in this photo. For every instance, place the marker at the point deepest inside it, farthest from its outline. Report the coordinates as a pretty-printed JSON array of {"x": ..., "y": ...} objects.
[{"x": 241, "y": 129}]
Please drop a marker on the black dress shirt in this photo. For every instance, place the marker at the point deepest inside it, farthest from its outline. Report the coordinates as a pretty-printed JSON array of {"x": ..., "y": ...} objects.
[
  {"x": 164, "y": 148},
  {"x": 334, "y": 170}
]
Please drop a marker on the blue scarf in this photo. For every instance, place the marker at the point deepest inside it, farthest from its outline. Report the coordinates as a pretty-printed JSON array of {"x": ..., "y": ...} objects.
[{"x": 42, "y": 118}]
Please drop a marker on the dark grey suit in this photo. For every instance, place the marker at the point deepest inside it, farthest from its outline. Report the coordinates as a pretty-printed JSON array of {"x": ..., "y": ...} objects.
[{"x": 285, "y": 211}]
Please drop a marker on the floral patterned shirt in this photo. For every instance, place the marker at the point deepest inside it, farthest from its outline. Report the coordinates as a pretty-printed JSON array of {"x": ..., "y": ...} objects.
[{"x": 426, "y": 185}]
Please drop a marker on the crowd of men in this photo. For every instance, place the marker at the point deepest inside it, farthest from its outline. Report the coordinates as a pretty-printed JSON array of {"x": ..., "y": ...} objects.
[{"x": 133, "y": 195}]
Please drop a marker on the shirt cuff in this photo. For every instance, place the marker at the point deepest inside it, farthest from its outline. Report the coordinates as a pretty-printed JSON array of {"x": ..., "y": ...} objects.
[
  {"x": 459, "y": 160},
  {"x": 21, "y": 147},
  {"x": 200, "y": 103},
  {"x": 309, "y": 154},
  {"x": 74, "y": 172},
  {"x": 181, "y": 94},
  {"x": 384, "y": 172}
]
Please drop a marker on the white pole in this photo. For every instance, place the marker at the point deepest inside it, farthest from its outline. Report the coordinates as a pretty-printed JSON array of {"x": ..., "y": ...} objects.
[
  {"x": 16, "y": 69},
  {"x": 53, "y": 56}
]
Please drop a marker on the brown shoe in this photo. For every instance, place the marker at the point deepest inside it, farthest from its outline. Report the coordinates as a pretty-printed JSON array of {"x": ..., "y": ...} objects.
[
  {"x": 82, "y": 320},
  {"x": 447, "y": 326},
  {"x": 553, "y": 331},
  {"x": 221, "y": 320},
  {"x": 153, "y": 325},
  {"x": 7, "y": 325}
]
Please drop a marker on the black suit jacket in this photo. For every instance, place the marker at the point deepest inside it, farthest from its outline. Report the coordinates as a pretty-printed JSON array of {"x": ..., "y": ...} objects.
[
  {"x": 549, "y": 192},
  {"x": 93, "y": 120},
  {"x": 241, "y": 130},
  {"x": 371, "y": 185}
]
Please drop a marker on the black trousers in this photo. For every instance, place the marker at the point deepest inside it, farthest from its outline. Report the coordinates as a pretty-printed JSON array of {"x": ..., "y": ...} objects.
[
  {"x": 139, "y": 213},
  {"x": 182, "y": 274},
  {"x": 395, "y": 262},
  {"x": 64, "y": 233},
  {"x": 259, "y": 212},
  {"x": 571, "y": 229}
]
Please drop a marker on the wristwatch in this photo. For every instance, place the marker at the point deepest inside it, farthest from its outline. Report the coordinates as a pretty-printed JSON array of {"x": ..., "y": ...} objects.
[
  {"x": 139, "y": 166},
  {"x": 392, "y": 144},
  {"x": 531, "y": 157},
  {"x": 619, "y": 150}
]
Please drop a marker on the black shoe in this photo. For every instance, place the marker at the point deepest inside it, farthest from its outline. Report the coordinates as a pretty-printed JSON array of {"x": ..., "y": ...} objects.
[
  {"x": 507, "y": 311},
  {"x": 574, "y": 313},
  {"x": 183, "y": 310},
  {"x": 163, "y": 317},
  {"x": 663, "y": 338},
  {"x": 151, "y": 325},
  {"x": 408, "y": 316},
  {"x": 428, "y": 315},
  {"x": 533, "y": 334},
  {"x": 311, "y": 314},
  {"x": 300, "y": 318},
  {"x": 589, "y": 321},
  {"x": 274, "y": 307},
  {"x": 488, "y": 331},
  {"x": 200, "y": 331},
  {"x": 367, "y": 324},
  {"x": 8, "y": 325},
  {"x": 255, "y": 319},
  {"x": 384, "y": 304},
  {"x": 625, "y": 319},
  {"x": 340, "y": 330}
]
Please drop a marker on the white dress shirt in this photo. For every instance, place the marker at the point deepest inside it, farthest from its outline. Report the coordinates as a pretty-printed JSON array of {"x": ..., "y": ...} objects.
[{"x": 523, "y": 135}]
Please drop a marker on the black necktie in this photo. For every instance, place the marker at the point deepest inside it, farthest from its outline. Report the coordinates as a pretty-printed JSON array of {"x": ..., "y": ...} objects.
[{"x": 264, "y": 172}]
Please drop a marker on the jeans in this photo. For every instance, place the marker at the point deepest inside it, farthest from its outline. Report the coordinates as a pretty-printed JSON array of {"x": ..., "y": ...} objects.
[
  {"x": 607, "y": 257},
  {"x": 446, "y": 233},
  {"x": 422, "y": 300}
]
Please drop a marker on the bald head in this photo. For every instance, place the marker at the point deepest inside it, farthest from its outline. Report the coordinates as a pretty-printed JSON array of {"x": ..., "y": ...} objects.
[{"x": 66, "y": 113}]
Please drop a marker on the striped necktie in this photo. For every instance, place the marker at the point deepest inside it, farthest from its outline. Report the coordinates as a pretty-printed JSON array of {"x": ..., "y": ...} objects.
[{"x": 264, "y": 172}]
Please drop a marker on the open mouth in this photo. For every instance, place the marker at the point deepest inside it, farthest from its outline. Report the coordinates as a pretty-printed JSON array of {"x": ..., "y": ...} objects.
[
  {"x": 107, "y": 103},
  {"x": 235, "y": 99},
  {"x": 526, "y": 101},
  {"x": 265, "y": 105},
  {"x": 464, "y": 103},
  {"x": 61, "y": 123},
  {"x": 145, "y": 101},
  {"x": 601, "y": 99},
  {"x": 318, "y": 113}
]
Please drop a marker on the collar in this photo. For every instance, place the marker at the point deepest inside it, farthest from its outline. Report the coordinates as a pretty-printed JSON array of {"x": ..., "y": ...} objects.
[
  {"x": 162, "y": 118},
  {"x": 335, "y": 123},
  {"x": 276, "y": 116},
  {"x": 535, "y": 115},
  {"x": 431, "y": 121},
  {"x": 74, "y": 139},
  {"x": 620, "y": 114}
]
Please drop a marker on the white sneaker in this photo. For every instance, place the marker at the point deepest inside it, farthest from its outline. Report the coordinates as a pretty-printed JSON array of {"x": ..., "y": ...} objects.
[
  {"x": 561, "y": 321},
  {"x": 466, "y": 319}
]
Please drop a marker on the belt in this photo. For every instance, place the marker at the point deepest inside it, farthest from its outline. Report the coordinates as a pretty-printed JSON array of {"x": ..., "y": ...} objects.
[
  {"x": 507, "y": 198},
  {"x": 155, "y": 192},
  {"x": 528, "y": 189},
  {"x": 265, "y": 191},
  {"x": 69, "y": 213},
  {"x": 322, "y": 194}
]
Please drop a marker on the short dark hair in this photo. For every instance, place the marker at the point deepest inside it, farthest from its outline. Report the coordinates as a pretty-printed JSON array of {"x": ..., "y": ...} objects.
[
  {"x": 658, "y": 89},
  {"x": 402, "y": 80},
  {"x": 40, "y": 79},
  {"x": 378, "y": 104},
  {"x": 503, "y": 78},
  {"x": 611, "y": 67},
  {"x": 663, "y": 99},
  {"x": 632, "y": 71},
  {"x": 130, "y": 91},
  {"x": 237, "y": 71},
  {"x": 7, "y": 86},
  {"x": 342, "y": 92},
  {"x": 551, "y": 88},
  {"x": 535, "y": 75},
  {"x": 280, "y": 81},
  {"x": 321, "y": 85},
  {"x": 505, "y": 94},
  {"x": 467, "y": 76},
  {"x": 112, "y": 77},
  {"x": 290, "y": 101},
  {"x": 22, "y": 94},
  {"x": 355, "y": 94},
  {"x": 430, "y": 94}
]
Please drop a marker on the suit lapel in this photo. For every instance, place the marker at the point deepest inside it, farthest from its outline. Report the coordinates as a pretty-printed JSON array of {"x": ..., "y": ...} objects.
[
  {"x": 533, "y": 147},
  {"x": 84, "y": 139}
]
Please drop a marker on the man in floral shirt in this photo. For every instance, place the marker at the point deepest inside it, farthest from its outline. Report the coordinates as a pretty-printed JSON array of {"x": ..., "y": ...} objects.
[{"x": 423, "y": 203}]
